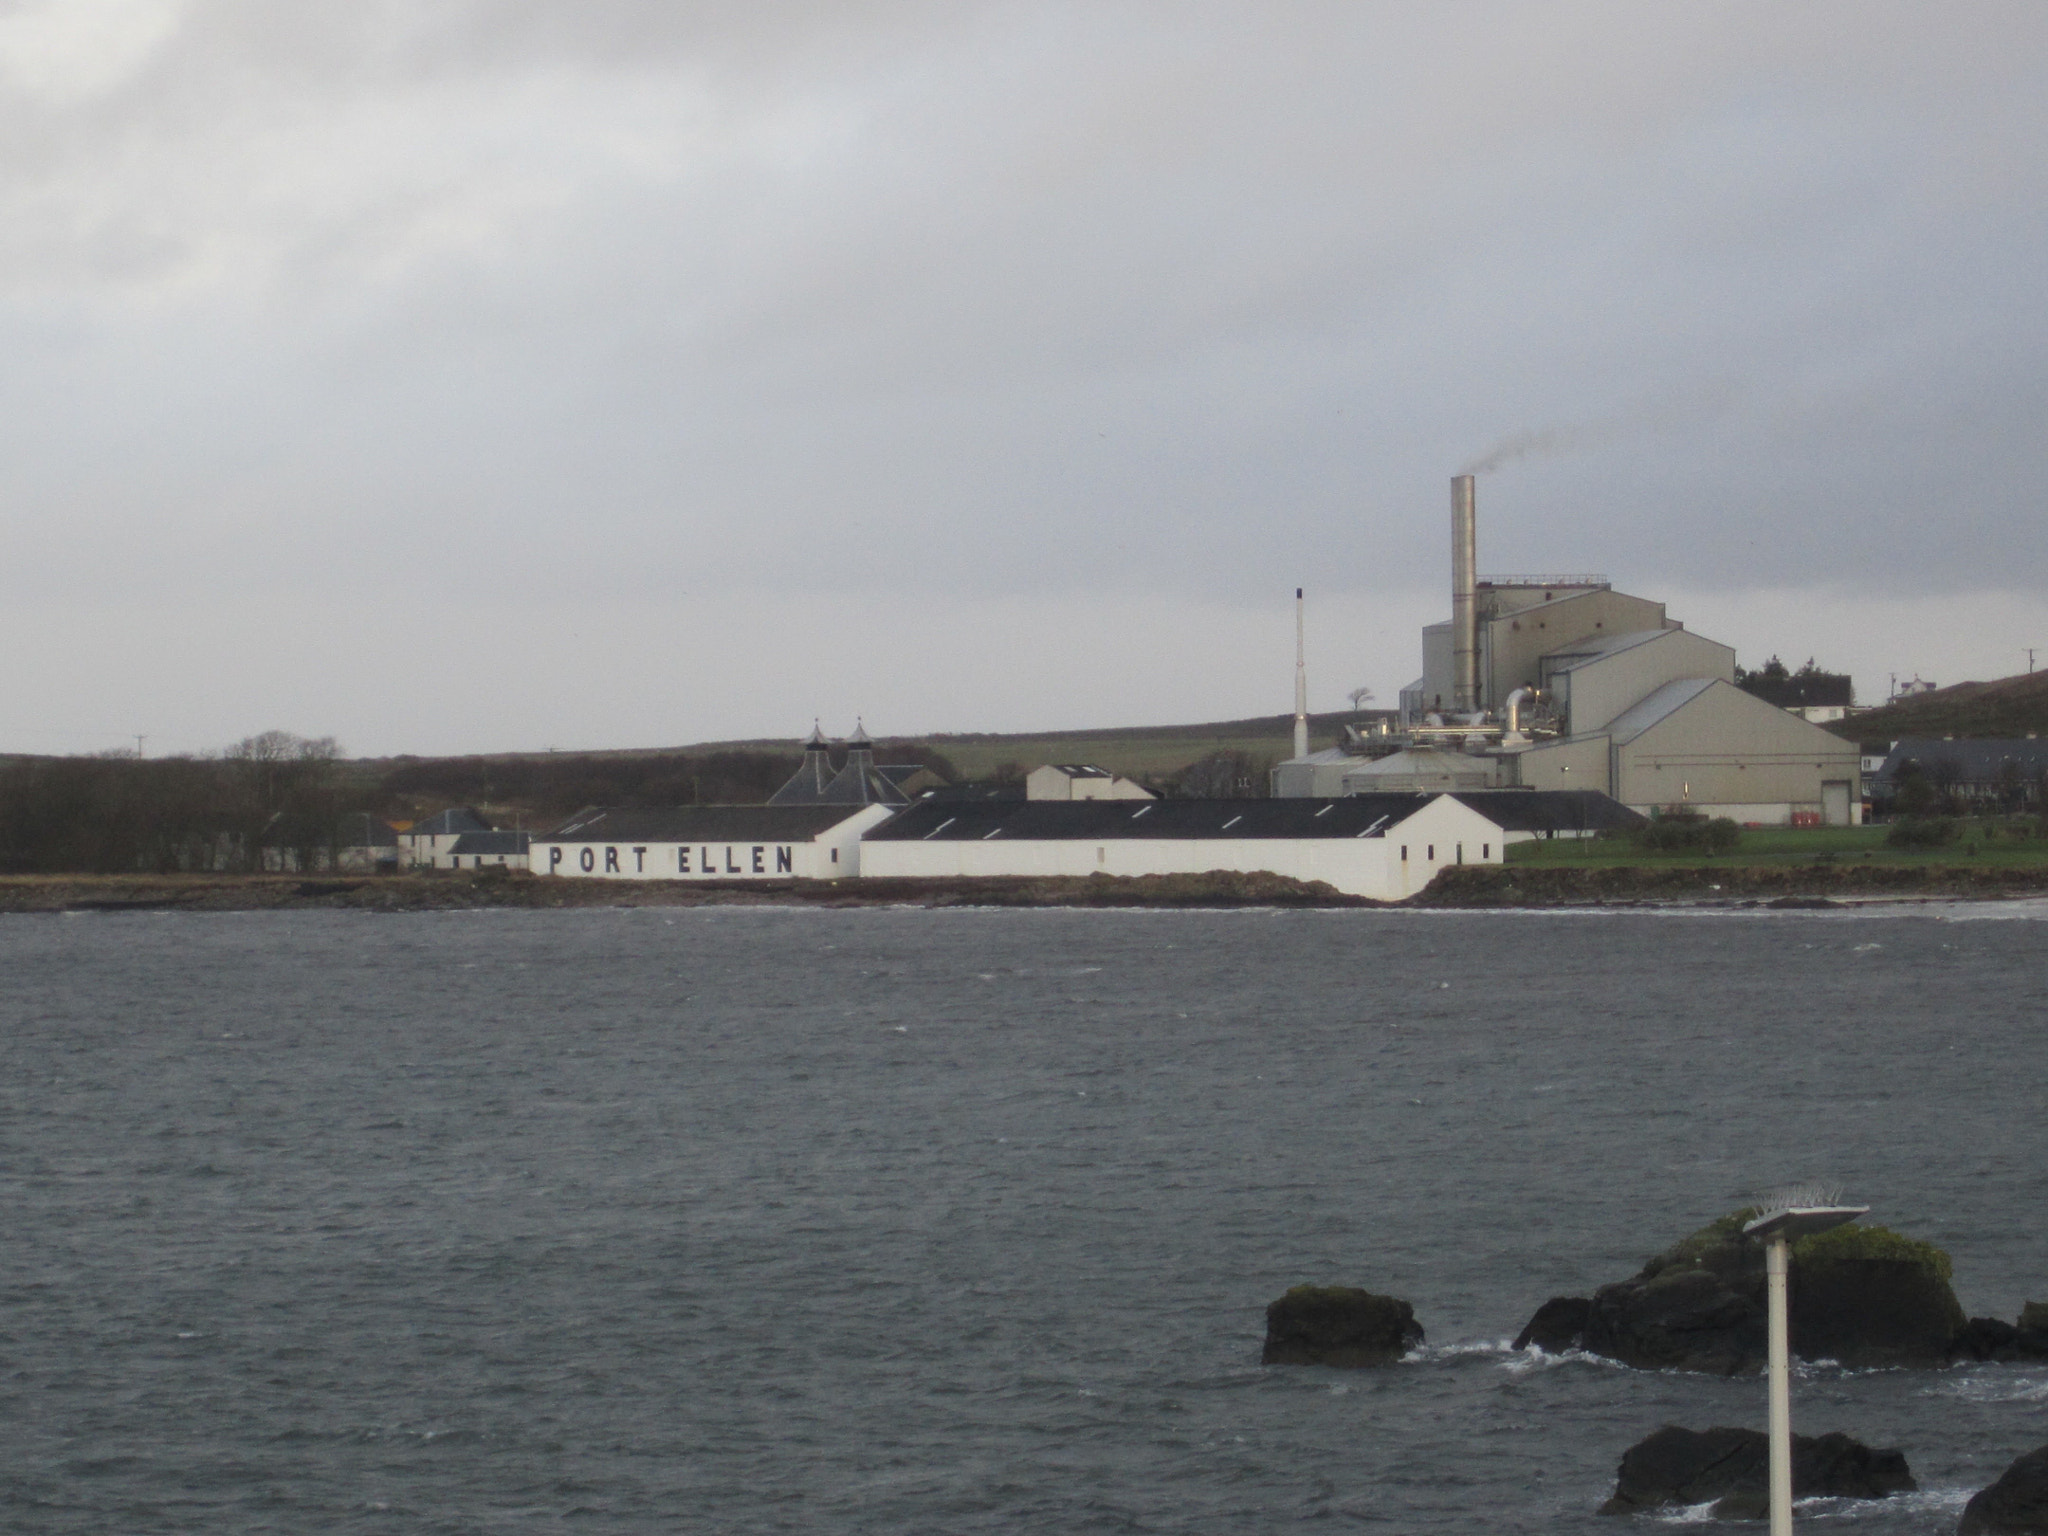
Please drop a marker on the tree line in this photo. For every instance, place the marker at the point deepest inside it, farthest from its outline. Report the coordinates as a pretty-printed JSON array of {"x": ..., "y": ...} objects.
[
  {"x": 119, "y": 814},
  {"x": 280, "y": 801}
]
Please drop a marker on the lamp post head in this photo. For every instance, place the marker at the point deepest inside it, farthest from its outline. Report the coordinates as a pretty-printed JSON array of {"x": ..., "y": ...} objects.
[{"x": 1791, "y": 1222}]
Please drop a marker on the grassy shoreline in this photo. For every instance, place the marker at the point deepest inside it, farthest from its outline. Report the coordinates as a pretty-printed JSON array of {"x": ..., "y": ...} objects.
[{"x": 1981, "y": 844}]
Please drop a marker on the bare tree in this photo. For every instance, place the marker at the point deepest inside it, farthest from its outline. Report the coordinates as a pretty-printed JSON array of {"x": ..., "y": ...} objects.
[
  {"x": 288, "y": 807},
  {"x": 1946, "y": 775},
  {"x": 1224, "y": 776}
]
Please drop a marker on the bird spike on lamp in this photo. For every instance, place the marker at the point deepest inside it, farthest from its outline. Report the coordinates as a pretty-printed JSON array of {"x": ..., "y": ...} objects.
[{"x": 1797, "y": 1211}]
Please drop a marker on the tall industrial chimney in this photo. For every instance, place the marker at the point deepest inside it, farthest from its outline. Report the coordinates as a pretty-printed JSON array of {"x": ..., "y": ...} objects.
[
  {"x": 1464, "y": 597},
  {"x": 1300, "y": 682}
]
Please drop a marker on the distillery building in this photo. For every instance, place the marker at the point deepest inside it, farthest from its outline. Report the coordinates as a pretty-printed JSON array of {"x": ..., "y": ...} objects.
[{"x": 1559, "y": 682}]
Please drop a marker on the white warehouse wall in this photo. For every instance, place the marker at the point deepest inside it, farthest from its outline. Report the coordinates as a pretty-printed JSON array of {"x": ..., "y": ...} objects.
[
  {"x": 833, "y": 855},
  {"x": 1444, "y": 831}
]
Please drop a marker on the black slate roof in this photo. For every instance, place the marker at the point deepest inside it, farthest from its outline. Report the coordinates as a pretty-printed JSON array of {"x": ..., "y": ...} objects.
[
  {"x": 807, "y": 785},
  {"x": 1107, "y": 820},
  {"x": 1974, "y": 761},
  {"x": 492, "y": 842},
  {"x": 441, "y": 823},
  {"x": 701, "y": 824},
  {"x": 860, "y": 782},
  {"x": 359, "y": 829},
  {"x": 978, "y": 789},
  {"x": 1550, "y": 810}
]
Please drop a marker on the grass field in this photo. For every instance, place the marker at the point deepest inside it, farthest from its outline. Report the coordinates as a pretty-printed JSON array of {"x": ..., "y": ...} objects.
[
  {"x": 1991, "y": 845},
  {"x": 2005, "y": 706}
]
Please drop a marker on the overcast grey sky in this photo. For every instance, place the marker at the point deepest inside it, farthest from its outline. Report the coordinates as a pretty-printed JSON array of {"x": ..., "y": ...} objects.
[{"x": 454, "y": 375}]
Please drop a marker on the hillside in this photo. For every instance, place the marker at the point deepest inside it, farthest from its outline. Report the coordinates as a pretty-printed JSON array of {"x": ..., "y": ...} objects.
[
  {"x": 536, "y": 788},
  {"x": 2008, "y": 706},
  {"x": 1138, "y": 751}
]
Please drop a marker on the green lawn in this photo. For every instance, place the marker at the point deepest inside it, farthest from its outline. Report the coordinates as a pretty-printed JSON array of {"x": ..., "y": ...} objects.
[{"x": 1799, "y": 845}]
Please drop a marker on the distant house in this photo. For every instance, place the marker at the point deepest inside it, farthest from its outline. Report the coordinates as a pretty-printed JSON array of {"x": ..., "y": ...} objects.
[
  {"x": 358, "y": 842},
  {"x": 427, "y": 842},
  {"x": 366, "y": 843},
  {"x": 480, "y": 850},
  {"x": 1081, "y": 781},
  {"x": 2001, "y": 773}
]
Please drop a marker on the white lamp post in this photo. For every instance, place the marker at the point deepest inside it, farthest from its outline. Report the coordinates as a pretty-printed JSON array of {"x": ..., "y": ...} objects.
[{"x": 1777, "y": 1228}]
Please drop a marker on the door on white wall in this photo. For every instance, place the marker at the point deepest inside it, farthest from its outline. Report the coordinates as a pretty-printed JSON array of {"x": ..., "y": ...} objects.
[{"x": 1834, "y": 804}]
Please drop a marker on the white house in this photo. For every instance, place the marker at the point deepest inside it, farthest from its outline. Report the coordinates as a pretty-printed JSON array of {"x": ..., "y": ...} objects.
[
  {"x": 1386, "y": 847},
  {"x": 428, "y": 842},
  {"x": 1080, "y": 781},
  {"x": 486, "y": 850},
  {"x": 708, "y": 842}
]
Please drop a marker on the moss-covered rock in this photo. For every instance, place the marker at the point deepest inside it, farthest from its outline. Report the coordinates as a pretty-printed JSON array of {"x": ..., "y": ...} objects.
[
  {"x": 1859, "y": 1241},
  {"x": 1865, "y": 1296}
]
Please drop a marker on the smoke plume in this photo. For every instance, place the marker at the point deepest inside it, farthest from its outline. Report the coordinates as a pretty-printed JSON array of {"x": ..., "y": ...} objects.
[{"x": 1652, "y": 416}]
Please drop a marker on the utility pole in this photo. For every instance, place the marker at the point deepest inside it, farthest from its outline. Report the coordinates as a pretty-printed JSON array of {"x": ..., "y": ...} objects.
[
  {"x": 2030, "y": 658},
  {"x": 140, "y": 739}
]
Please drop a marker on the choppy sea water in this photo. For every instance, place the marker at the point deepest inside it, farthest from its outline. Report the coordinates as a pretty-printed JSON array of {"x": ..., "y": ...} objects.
[{"x": 878, "y": 1220}]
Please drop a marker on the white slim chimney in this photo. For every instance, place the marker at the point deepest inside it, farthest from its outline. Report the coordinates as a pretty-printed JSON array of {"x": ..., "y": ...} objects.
[{"x": 1300, "y": 682}]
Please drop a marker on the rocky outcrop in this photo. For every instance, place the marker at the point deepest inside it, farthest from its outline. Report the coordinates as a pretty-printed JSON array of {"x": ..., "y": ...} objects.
[
  {"x": 1559, "y": 1325},
  {"x": 1684, "y": 1319},
  {"x": 1730, "y": 1468},
  {"x": 2015, "y": 1505},
  {"x": 1862, "y": 1295},
  {"x": 2034, "y": 1327},
  {"x": 1988, "y": 1338},
  {"x": 1338, "y": 1325},
  {"x": 1872, "y": 1310}
]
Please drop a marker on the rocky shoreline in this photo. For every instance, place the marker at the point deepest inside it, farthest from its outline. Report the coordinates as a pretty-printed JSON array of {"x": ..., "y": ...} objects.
[
  {"x": 1470, "y": 886},
  {"x": 430, "y": 891}
]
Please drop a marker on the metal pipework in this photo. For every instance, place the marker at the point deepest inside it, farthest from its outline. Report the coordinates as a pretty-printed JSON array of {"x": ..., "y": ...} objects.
[
  {"x": 1514, "y": 709},
  {"x": 1464, "y": 596}
]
